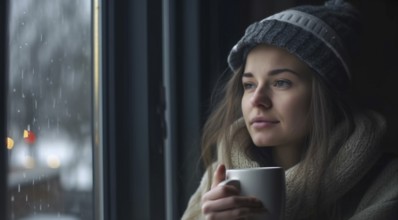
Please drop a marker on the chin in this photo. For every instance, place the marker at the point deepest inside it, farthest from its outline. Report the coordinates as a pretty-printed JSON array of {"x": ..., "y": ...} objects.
[
  {"x": 263, "y": 146},
  {"x": 265, "y": 139},
  {"x": 263, "y": 143}
]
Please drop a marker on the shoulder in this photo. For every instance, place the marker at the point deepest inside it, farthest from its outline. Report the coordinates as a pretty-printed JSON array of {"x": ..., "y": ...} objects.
[
  {"x": 380, "y": 200},
  {"x": 386, "y": 184}
]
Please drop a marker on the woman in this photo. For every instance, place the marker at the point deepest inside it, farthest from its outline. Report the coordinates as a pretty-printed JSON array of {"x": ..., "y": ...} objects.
[{"x": 287, "y": 104}]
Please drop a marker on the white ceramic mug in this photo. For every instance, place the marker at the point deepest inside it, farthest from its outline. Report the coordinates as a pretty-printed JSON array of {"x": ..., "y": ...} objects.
[{"x": 264, "y": 183}]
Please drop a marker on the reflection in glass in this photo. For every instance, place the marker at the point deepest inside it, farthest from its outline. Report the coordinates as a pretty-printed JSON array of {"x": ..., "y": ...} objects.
[{"x": 49, "y": 110}]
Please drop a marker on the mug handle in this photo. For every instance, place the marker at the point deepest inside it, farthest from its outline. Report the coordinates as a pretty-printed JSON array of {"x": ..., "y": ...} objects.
[{"x": 231, "y": 182}]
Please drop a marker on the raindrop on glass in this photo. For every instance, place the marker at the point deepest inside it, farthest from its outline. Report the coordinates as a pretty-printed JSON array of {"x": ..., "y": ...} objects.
[
  {"x": 73, "y": 79},
  {"x": 12, "y": 199},
  {"x": 19, "y": 188}
]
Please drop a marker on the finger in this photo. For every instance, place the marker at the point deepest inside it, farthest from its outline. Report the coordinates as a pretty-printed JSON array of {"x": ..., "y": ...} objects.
[
  {"x": 219, "y": 175},
  {"x": 219, "y": 192},
  {"x": 231, "y": 202}
]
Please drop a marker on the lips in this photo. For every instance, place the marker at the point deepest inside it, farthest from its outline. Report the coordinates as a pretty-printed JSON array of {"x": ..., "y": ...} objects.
[{"x": 262, "y": 122}]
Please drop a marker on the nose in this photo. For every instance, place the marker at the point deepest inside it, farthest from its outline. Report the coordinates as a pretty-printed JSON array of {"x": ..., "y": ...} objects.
[{"x": 261, "y": 98}]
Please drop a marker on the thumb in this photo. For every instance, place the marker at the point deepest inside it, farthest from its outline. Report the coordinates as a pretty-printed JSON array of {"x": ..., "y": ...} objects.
[{"x": 219, "y": 175}]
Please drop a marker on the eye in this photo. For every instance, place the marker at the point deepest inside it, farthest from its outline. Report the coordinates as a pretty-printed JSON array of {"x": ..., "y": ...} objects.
[
  {"x": 248, "y": 85},
  {"x": 282, "y": 84}
]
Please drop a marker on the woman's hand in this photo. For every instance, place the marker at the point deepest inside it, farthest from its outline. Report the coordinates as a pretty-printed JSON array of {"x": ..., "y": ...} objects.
[{"x": 224, "y": 201}]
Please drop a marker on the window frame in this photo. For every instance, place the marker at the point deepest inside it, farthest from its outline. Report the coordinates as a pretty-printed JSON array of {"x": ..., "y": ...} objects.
[
  {"x": 129, "y": 125},
  {"x": 3, "y": 88}
]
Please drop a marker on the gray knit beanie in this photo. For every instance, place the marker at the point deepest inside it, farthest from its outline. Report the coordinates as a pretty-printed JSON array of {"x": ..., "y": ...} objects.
[{"x": 324, "y": 37}]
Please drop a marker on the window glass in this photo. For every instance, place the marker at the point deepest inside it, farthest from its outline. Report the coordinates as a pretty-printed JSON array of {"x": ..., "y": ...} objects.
[{"x": 49, "y": 110}]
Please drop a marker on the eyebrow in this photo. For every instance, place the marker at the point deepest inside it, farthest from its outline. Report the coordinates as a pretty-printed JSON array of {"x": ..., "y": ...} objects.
[{"x": 274, "y": 72}]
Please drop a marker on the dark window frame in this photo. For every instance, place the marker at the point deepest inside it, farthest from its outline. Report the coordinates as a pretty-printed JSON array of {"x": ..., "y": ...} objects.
[
  {"x": 3, "y": 100},
  {"x": 132, "y": 109}
]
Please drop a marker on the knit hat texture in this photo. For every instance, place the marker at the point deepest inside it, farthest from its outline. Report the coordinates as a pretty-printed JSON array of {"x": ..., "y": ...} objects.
[{"x": 325, "y": 37}]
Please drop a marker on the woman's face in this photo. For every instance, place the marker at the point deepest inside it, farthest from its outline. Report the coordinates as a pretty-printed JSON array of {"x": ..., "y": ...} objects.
[{"x": 276, "y": 99}]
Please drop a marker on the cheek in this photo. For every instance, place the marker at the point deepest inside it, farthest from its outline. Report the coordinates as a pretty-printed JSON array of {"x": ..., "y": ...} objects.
[
  {"x": 244, "y": 106},
  {"x": 298, "y": 113}
]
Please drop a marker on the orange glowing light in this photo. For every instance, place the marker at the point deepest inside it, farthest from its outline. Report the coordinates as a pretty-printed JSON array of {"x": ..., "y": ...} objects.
[
  {"x": 53, "y": 161},
  {"x": 29, "y": 136},
  {"x": 10, "y": 143}
]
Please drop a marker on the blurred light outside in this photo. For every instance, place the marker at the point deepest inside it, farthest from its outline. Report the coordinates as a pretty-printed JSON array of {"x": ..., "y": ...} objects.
[{"x": 49, "y": 110}]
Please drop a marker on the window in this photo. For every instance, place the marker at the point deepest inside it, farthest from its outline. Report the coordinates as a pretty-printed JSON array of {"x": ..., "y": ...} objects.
[{"x": 49, "y": 110}]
